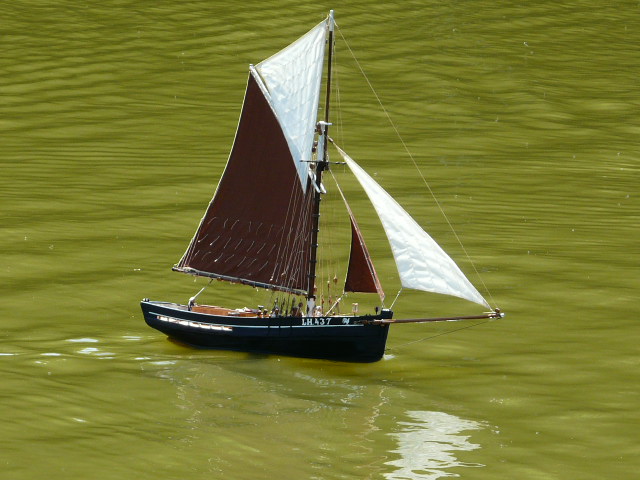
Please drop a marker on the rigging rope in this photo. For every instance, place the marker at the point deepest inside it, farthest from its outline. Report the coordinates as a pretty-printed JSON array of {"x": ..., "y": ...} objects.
[
  {"x": 395, "y": 299},
  {"x": 415, "y": 164},
  {"x": 438, "y": 335}
]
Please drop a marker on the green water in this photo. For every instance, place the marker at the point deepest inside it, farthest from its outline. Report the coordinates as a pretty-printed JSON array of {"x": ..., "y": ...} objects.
[{"x": 117, "y": 118}]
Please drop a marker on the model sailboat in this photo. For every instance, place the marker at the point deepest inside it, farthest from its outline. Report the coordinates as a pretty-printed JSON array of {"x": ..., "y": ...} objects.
[{"x": 261, "y": 228}]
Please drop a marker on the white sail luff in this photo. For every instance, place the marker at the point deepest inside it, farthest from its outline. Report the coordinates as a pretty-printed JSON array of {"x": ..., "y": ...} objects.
[
  {"x": 421, "y": 262},
  {"x": 291, "y": 80}
]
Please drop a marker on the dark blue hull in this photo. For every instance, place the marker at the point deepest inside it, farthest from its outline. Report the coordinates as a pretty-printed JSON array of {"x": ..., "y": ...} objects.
[{"x": 332, "y": 337}]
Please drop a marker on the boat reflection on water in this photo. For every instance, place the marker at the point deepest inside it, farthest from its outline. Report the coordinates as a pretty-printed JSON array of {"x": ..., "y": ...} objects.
[{"x": 427, "y": 446}]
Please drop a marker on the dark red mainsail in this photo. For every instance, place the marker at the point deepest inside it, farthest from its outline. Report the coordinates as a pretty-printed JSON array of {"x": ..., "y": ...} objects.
[{"x": 256, "y": 230}]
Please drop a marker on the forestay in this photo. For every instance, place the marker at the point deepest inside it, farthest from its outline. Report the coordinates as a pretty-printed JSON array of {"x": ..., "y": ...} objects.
[{"x": 421, "y": 262}]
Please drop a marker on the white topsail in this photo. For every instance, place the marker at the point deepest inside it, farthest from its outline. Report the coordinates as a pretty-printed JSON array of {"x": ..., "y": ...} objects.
[
  {"x": 421, "y": 263},
  {"x": 290, "y": 80}
]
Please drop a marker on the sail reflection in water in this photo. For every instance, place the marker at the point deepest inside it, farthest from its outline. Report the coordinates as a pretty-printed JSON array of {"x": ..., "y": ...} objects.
[{"x": 427, "y": 443}]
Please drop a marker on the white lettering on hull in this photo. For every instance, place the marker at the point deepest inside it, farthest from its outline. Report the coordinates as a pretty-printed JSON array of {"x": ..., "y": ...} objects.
[{"x": 325, "y": 321}]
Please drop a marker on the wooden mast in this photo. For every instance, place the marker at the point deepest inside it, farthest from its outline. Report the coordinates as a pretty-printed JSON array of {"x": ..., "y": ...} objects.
[{"x": 321, "y": 165}]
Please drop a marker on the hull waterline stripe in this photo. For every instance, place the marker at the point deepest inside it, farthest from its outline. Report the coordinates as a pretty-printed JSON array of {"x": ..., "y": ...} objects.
[
  {"x": 192, "y": 323},
  {"x": 228, "y": 328}
]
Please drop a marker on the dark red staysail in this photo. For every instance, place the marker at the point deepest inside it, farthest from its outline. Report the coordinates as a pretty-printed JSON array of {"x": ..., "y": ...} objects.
[
  {"x": 257, "y": 228},
  {"x": 361, "y": 274}
]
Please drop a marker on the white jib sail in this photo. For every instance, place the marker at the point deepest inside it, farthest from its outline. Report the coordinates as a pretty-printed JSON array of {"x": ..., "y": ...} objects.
[
  {"x": 292, "y": 79},
  {"x": 421, "y": 263}
]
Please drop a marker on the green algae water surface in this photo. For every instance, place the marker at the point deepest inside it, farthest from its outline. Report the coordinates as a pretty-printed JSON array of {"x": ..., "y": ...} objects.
[{"x": 117, "y": 118}]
